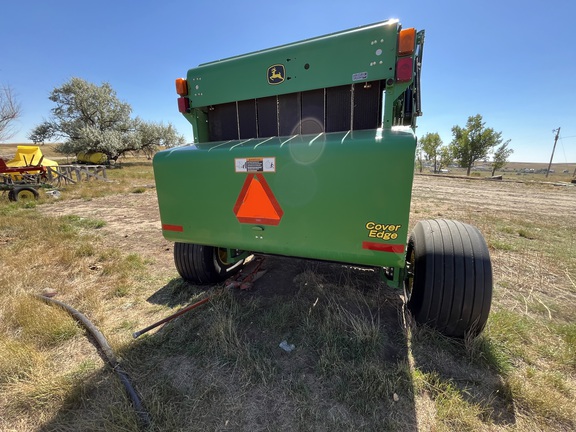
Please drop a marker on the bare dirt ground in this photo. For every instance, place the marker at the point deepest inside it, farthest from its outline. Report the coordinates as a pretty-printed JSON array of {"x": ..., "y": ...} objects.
[
  {"x": 133, "y": 221},
  {"x": 462, "y": 196}
]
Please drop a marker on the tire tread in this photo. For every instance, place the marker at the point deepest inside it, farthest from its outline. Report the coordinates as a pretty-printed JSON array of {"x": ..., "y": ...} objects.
[{"x": 452, "y": 285}]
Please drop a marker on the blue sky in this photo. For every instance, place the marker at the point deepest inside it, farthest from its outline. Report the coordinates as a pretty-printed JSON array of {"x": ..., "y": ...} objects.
[{"x": 512, "y": 61}]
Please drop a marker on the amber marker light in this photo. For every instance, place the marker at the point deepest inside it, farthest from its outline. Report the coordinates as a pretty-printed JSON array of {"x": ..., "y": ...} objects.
[
  {"x": 181, "y": 86},
  {"x": 407, "y": 41}
]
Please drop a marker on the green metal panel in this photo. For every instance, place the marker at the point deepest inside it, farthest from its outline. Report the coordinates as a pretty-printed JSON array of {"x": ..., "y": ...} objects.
[
  {"x": 340, "y": 196},
  {"x": 357, "y": 55},
  {"x": 343, "y": 196}
]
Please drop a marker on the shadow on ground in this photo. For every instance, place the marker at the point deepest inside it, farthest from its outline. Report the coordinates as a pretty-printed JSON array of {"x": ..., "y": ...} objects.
[{"x": 220, "y": 367}]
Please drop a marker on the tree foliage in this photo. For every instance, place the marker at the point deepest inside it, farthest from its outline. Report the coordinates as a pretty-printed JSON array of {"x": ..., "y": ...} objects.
[
  {"x": 40, "y": 134},
  {"x": 473, "y": 142},
  {"x": 10, "y": 111},
  {"x": 419, "y": 155},
  {"x": 431, "y": 144},
  {"x": 91, "y": 118},
  {"x": 445, "y": 157},
  {"x": 501, "y": 155}
]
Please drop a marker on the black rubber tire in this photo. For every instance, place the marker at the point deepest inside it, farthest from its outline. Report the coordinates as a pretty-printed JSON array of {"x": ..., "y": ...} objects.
[
  {"x": 23, "y": 194},
  {"x": 449, "y": 285},
  {"x": 201, "y": 264}
]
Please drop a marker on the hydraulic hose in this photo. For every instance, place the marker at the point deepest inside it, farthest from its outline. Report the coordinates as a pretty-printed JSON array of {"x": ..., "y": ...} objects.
[{"x": 108, "y": 356}]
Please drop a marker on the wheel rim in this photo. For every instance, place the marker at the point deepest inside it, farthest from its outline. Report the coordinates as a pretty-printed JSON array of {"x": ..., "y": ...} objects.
[
  {"x": 409, "y": 280},
  {"x": 413, "y": 294},
  {"x": 25, "y": 195},
  {"x": 222, "y": 256}
]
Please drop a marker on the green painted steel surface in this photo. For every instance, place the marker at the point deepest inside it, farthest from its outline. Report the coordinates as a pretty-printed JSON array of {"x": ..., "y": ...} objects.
[
  {"x": 340, "y": 195},
  {"x": 343, "y": 196},
  {"x": 358, "y": 55}
]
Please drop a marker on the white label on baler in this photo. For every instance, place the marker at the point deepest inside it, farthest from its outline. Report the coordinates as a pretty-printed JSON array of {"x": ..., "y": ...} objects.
[
  {"x": 359, "y": 76},
  {"x": 256, "y": 164}
]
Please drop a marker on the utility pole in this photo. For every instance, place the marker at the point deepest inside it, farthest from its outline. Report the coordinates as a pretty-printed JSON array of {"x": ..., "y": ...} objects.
[{"x": 553, "y": 148}]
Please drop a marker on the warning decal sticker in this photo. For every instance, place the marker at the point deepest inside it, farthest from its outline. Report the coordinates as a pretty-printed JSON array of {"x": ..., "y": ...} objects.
[{"x": 256, "y": 164}]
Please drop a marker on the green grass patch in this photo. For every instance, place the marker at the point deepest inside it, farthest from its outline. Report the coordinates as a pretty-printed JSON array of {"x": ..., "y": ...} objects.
[
  {"x": 512, "y": 331},
  {"x": 488, "y": 352},
  {"x": 527, "y": 234},
  {"x": 84, "y": 222},
  {"x": 568, "y": 334},
  {"x": 544, "y": 396},
  {"x": 18, "y": 359},
  {"x": 502, "y": 245},
  {"x": 454, "y": 410}
]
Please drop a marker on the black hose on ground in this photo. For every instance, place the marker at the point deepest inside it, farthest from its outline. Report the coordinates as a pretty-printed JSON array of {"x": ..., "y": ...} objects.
[{"x": 108, "y": 356}]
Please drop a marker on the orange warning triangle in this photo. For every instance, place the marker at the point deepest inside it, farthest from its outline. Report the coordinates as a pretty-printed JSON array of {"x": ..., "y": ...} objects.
[{"x": 256, "y": 203}]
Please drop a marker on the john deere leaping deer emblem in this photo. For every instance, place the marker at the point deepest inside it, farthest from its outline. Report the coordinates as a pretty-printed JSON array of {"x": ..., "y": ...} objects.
[{"x": 276, "y": 74}]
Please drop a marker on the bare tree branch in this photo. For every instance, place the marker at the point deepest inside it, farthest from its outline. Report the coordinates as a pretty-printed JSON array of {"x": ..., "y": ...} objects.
[{"x": 10, "y": 110}]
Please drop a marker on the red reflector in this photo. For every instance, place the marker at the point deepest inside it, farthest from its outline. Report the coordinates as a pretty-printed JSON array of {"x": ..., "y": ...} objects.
[
  {"x": 183, "y": 105},
  {"x": 177, "y": 228},
  {"x": 404, "y": 69},
  {"x": 383, "y": 247}
]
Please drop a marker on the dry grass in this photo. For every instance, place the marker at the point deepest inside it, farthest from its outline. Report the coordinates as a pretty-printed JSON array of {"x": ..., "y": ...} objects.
[
  {"x": 359, "y": 362},
  {"x": 529, "y": 340},
  {"x": 46, "y": 363}
]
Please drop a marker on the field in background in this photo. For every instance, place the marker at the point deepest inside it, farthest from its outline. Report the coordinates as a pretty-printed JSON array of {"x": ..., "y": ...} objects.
[
  {"x": 359, "y": 363},
  {"x": 562, "y": 171},
  {"x": 517, "y": 171},
  {"x": 48, "y": 150}
]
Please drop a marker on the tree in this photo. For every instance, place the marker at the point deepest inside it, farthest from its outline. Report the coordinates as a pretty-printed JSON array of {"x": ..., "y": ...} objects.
[
  {"x": 431, "y": 143},
  {"x": 419, "y": 155},
  {"x": 501, "y": 156},
  {"x": 473, "y": 142},
  {"x": 445, "y": 157},
  {"x": 40, "y": 134},
  {"x": 152, "y": 135},
  {"x": 91, "y": 118},
  {"x": 10, "y": 110}
]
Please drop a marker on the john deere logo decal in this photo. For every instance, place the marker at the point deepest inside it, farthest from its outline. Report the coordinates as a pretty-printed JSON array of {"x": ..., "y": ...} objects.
[{"x": 276, "y": 74}]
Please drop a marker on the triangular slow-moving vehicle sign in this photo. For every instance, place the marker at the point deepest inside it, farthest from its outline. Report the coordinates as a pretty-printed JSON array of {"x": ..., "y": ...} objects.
[{"x": 256, "y": 203}]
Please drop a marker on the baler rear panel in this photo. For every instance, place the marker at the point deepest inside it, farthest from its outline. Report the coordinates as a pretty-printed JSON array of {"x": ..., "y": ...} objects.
[
  {"x": 342, "y": 196},
  {"x": 295, "y": 150}
]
